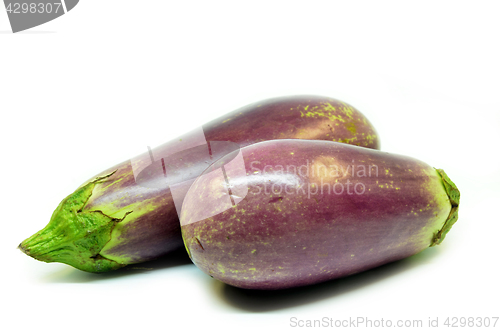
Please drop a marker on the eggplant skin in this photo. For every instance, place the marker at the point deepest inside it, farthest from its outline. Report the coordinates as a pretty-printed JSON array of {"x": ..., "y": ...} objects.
[
  {"x": 140, "y": 223},
  {"x": 347, "y": 209},
  {"x": 295, "y": 117}
]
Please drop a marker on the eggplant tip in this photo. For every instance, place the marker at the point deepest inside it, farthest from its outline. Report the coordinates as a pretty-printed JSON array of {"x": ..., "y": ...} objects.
[
  {"x": 22, "y": 249},
  {"x": 454, "y": 197}
]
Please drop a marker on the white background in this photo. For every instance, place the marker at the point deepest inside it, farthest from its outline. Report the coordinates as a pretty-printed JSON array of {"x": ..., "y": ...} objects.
[{"x": 96, "y": 86}]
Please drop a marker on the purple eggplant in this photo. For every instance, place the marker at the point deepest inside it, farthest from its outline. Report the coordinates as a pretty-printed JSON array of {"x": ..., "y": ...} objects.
[
  {"x": 289, "y": 213},
  {"x": 129, "y": 213}
]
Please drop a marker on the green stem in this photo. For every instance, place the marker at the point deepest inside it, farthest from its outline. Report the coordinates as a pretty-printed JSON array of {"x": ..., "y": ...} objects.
[
  {"x": 454, "y": 196},
  {"x": 74, "y": 236}
]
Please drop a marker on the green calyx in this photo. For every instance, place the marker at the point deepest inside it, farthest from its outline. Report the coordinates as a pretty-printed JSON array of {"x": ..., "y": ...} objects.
[
  {"x": 73, "y": 236},
  {"x": 454, "y": 196}
]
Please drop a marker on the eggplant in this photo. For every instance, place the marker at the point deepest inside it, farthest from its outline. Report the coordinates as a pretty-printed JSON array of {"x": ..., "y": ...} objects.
[
  {"x": 290, "y": 213},
  {"x": 129, "y": 213}
]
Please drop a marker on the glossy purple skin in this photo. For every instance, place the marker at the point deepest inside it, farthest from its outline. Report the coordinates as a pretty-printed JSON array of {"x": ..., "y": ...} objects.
[
  {"x": 280, "y": 236},
  {"x": 157, "y": 231},
  {"x": 298, "y": 117}
]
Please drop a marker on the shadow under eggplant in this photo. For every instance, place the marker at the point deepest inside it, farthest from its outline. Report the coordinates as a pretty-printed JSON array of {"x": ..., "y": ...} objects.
[
  {"x": 269, "y": 300},
  {"x": 70, "y": 275}
]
